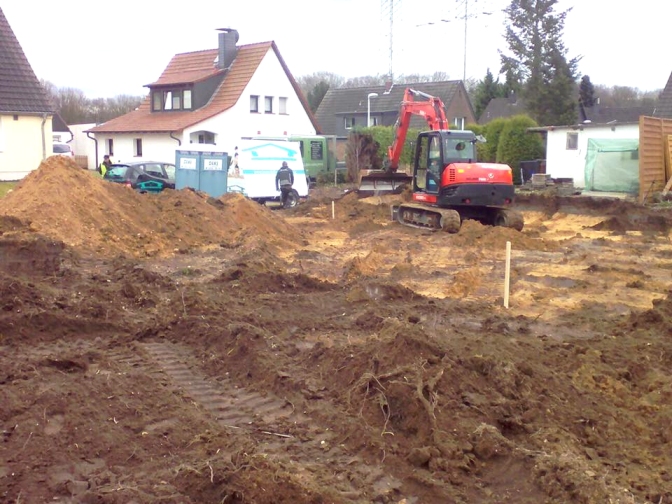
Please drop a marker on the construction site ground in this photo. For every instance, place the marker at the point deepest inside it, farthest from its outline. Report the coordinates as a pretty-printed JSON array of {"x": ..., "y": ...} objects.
[{"x": 176, "y": 348}]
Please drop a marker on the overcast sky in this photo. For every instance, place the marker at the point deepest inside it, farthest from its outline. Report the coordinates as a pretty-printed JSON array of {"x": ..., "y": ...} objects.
[{"x": 108, "y": 49}]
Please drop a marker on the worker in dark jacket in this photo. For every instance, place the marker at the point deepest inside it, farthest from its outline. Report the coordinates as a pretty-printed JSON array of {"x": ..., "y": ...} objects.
[{"x": 284, "y": 180}]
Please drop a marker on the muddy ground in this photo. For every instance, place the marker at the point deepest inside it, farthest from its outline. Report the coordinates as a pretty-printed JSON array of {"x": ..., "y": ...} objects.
[{"x": 175, "y": 348}]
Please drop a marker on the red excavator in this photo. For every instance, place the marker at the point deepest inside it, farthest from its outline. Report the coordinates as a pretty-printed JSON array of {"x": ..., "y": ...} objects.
[{"x": 449, "y": 185}]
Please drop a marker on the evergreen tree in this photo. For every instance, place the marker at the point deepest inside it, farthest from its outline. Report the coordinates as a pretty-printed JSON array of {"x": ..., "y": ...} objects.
[
  {"x": 486, "y": 90},
  {"x": 317, "y": 94},
  {"x": 586, "y": 92},
  {"x": 511, "y": 83},
  {"x": 539, "y": 58}
]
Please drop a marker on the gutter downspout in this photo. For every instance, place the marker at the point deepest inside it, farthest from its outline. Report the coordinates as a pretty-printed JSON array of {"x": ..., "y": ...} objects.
[
  {"x": 88, "y": 135},
  {"x": 44, "y": 140},
  {"x": 179, "y": 142}
]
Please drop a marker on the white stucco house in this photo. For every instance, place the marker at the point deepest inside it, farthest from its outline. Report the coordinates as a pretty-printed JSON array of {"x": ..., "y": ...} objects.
[
  {"x": 217, "y": 97},
  {"x": 596, "y": 156},
  {"x": 26, "y": 113}
]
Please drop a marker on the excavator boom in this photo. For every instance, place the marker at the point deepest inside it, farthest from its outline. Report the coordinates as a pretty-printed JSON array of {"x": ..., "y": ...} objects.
[{"x": 432, "y": 110}]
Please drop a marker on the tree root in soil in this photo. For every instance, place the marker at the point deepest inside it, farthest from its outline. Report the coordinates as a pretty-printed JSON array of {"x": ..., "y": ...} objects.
[{"x": 424, "y": 391}]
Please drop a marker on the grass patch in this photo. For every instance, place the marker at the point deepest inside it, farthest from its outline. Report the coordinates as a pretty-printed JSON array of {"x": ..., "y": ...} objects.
[{"x": 5, "y": 187}]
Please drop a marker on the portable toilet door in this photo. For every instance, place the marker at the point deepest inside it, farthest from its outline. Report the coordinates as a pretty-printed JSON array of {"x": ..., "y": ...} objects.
[
  {"x": 202, "y": 170},
  {"x": 186, "y": 169}
]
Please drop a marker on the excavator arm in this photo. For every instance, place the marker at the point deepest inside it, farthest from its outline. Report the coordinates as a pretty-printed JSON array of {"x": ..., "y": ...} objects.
[{"x": 431, "y": 109}]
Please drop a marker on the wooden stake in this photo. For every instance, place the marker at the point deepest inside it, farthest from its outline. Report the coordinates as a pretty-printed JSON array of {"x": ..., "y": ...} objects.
[
  {"x": 507, "y": 274},
  {"x": 333, "y": 210}
]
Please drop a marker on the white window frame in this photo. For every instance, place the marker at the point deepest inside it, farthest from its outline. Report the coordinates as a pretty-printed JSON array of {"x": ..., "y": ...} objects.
[
  {"x": 282, "y": 105},
  {"x": 254, "y": 104},
  {"x": 374, "y": 121},
  {"x": 460, "y": 122},
  {"x": 349, "y": 122},
  {"x": 110, "y": 146},
  {"x": 268, "y": 104},
  {"x": 572, "y": 141},
  {"x": 186, "y": 99}
]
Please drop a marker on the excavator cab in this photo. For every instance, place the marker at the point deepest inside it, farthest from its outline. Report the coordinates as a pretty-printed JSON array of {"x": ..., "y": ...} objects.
[{"x": 435, "y": 150}]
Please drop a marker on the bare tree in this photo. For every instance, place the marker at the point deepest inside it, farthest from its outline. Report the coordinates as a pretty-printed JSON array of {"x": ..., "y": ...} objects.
[
  {"x": 307, "y": 83},
  {"x": 623, "y": 96},
  {"x": 75, "y": 108}
]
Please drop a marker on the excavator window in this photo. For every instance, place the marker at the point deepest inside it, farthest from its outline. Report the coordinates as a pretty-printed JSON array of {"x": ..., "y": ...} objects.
[
  {"x": 421, "y": 163},
  {"x": 459, "y": 148},
  {"x": 435, "y": 164}
]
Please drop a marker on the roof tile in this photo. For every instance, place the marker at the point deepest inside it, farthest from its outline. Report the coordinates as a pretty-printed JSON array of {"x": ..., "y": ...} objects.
[
  {"x": 191, "y": 67},
  {"x": 342, "y": 101},
  {"x": 664, "y": 108},
  {"x": 20, "y": 91}
]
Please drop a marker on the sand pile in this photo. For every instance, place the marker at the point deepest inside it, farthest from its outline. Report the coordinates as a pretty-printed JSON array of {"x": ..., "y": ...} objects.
[
  {"x": 473, "y": 233},
  {"x": 64, "y": 202}
]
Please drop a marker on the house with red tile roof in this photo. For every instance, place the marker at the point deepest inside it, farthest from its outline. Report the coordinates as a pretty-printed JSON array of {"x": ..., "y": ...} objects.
[
  {"x": 217, "y": 97},
  {"x": 26, "y": 112}
]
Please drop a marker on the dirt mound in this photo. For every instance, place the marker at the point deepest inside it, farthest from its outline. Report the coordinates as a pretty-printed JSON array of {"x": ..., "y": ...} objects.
[
  {"x": 474, "y": 233},
  {"x": 66, "y": 203},
  {"x": 635, "y": 220},
  {"x": 658, "y": 318},
  {"x": 261, "y": 277},
  {"x": 368, "y": 265},
  {"x": 36, "y": 255}
]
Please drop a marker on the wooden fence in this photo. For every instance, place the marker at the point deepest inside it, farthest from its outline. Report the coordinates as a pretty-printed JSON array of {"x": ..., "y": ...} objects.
[
  {"x": 653, "y": 140},
  {"x": 82, "y": 161}
]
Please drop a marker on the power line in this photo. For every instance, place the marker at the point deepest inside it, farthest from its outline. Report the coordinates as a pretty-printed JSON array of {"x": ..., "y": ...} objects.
[{"x": 468, "y": 14}]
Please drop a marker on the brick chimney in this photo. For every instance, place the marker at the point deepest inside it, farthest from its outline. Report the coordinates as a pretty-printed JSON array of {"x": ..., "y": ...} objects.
[{"x": 228, "y": 37}]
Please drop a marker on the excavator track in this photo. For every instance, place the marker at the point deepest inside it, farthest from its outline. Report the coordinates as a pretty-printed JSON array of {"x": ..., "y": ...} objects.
[
  {"x": 509, "y": 218},
  {"x": 424, "y": 217}
]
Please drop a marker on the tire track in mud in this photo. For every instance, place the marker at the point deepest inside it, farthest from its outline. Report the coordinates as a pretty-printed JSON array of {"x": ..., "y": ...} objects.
[
  {"x": 313, "y": 454},
  {"x": 236, "y": 407}
]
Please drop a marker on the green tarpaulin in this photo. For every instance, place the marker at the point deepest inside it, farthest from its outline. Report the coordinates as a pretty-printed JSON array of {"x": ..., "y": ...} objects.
[{"x": 612, "y": 165}]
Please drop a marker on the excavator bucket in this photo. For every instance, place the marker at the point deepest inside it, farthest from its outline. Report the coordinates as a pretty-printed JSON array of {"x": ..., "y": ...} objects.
[{"x": 383, "y": 182}]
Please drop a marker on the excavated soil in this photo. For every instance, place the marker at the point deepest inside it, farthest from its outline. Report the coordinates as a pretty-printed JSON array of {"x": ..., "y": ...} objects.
[{"x": 177, "y": 348}]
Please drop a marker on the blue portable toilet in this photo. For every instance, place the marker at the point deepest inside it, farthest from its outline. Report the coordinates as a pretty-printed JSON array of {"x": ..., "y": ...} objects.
[{"x": 202, "y": 168}]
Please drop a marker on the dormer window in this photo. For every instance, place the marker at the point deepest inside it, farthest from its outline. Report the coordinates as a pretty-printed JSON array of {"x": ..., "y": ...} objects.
[{"x": 171, "y": 99}]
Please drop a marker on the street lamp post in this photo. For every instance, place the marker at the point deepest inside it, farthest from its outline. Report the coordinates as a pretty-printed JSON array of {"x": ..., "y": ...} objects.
[{"x": 368, "y": 108}]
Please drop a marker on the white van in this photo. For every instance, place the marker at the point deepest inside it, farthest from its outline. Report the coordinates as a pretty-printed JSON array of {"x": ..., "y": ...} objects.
[{"x": 254, "y": 165}]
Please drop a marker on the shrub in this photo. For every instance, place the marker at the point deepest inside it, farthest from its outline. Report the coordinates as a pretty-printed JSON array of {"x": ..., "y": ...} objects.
[
  {"x": 516, "y": 144},
  {"x": 384, "y": 135},
  {"x": 491, "y": 132},
  {"x": 481, "y": 147}
]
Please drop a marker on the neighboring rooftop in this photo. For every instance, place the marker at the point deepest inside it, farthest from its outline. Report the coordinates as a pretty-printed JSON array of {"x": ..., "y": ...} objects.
[
  {"x": 502, "y": 108},
  {"x": 20, "y": 90},
  {"x": 664, "y": 108},
  {"x": 345, "y": 101},
  {"x": 603, "y": 115},
  {"x": 187, "y": 68}
]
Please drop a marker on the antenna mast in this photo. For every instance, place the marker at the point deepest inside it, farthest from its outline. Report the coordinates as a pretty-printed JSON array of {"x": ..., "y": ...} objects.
[{"x": 386, "y": 5}]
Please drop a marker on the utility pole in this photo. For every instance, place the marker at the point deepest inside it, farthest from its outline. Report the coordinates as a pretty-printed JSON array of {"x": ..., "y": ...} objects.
[
  {"x": 384, "y": 5},
  {"x": 391, "y": 41},
  {"x": 466, "y": 7}
]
